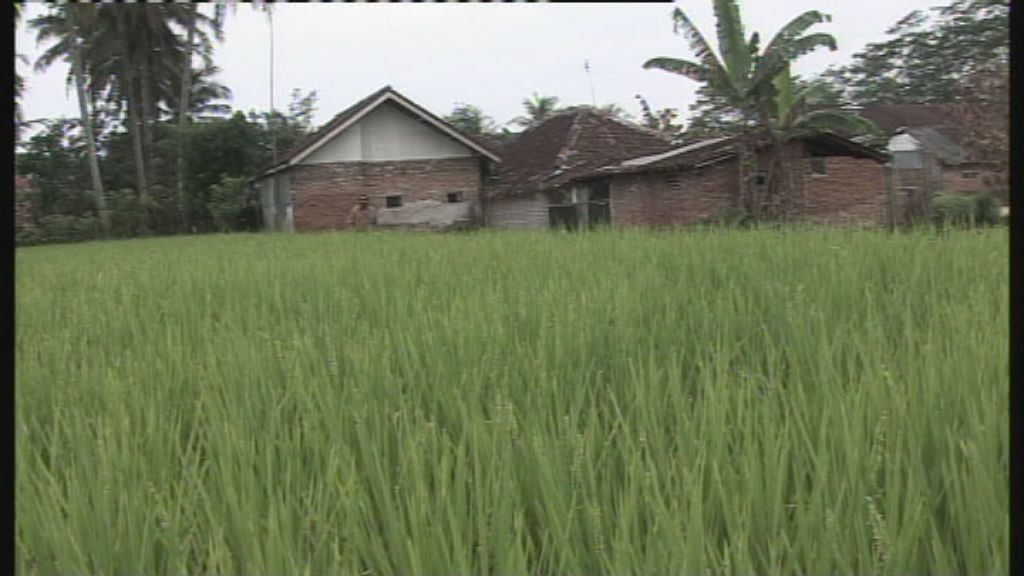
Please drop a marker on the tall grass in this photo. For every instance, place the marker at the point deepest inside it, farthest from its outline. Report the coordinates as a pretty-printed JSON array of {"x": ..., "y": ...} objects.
[{"x": 776, "y": 402}]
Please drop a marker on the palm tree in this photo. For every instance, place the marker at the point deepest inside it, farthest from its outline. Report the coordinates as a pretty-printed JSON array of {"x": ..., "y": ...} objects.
[
  {"x": 613, "y": 111},
  {"x": 19, "y": 82},
  {"x": 538, "y": 108},
  {"x": 207, "y": 97},
  {"x": 743, "y": 74},
  {"x": 192, "y": 25},
  {"x": 114, "y": 60},
  {"x": 133, "y": 57},
  {"x": 69, "y": 26}
]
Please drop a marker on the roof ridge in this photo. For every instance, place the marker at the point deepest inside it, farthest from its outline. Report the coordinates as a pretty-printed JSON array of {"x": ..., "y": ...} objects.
[
  {"x": 562, "y": 158},
  {"x": 387, "y": 91}
]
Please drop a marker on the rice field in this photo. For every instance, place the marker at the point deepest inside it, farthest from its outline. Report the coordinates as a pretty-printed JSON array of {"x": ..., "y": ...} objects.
[{"x": 703, "y": 402}]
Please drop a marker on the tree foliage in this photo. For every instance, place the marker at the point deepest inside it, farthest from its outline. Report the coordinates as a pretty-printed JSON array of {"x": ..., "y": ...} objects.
[
  {"x": 471, "y": 120},
  {"x": 538, "y": 109},
  {"x": 222, "y": 152},
  {"x": 663, "y": 120},
  {"x": 928, "y": 54},
  {"x": 983, "y": 113}
]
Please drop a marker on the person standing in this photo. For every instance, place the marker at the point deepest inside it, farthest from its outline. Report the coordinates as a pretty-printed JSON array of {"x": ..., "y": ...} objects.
[{"x": 363, "y": 216}]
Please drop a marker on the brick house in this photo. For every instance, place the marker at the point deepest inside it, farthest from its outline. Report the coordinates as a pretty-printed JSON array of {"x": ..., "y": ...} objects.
[
  {"x": 930, "y": 156},
  {"x": 831, "y": 180},
  {"x": 418, "y": 170},
  {"x": 581, "y": 168},
  {"x": 577, "y": 169},
  {"x": 540, "y": 181}
]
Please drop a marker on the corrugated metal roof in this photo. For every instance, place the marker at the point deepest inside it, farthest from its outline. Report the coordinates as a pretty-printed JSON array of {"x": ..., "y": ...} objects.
[
  {"x": 938, "y": 143},
  {"x": 643, "y": 160}
]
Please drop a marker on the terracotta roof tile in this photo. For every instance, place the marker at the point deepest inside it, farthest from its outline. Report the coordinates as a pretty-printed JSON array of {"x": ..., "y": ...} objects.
[{"x": 567, "y": 146}]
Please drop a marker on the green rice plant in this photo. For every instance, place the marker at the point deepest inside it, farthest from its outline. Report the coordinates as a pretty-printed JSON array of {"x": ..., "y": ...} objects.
[{"x": 625, "y": 402}]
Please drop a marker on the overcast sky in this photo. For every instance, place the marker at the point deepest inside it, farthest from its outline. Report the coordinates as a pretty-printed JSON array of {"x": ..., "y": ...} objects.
[{"x": 488, "y": 55}]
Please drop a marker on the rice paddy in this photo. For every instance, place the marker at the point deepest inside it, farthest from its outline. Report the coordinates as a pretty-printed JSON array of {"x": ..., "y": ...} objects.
[{"x": 724, "y": 402}]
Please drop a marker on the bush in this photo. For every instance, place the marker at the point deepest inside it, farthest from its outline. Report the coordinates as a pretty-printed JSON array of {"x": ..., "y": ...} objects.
[
  {"x": 226, "y": 203},
  {"x": 730, "y": 217},
  {"x": 24, "y": 236},
  {"x": 64, "y": 228},
  {"x": 966, "y": 210},
  {"x": 128, "y": 216},
  {"x": 986, "y": 209}
]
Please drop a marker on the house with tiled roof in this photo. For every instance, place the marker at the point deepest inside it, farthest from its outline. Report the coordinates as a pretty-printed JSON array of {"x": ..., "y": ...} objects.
[
  {"x": 577, "y": 169},
  {"x": 541, "y": 180},
  {"x": 416, "y": 169},
  {"x": 929, "y": 139},
  {"x": 582, "y": 168},
  {"x": 831, "y": 180}
]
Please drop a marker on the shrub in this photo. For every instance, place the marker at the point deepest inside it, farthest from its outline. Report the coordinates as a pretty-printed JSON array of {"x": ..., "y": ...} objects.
[
  {"x": 25, "y": 236},
  {"x": 64, "y": 228},
  {"x": 227, "y": 200},
  {"x": 730, "y": 217},
  {"x": 128, "y": 216},
  {"x": 986, "y": 209},
  {"x": 966, "y": 210},
  {"x": 954, "y": 210}
]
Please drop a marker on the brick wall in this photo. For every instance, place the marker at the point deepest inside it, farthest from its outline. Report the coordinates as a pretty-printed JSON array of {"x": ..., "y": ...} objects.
[
  {"x": 653, "y": 200},
  {"x": 325, "y": 193},
  {"x": 23, "y": 217},
  {"x": 985, "y": 179},
  {"x": 852, "y": 191}
]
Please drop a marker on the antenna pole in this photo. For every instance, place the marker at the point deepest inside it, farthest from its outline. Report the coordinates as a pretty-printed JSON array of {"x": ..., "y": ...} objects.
[
  {"x": 273, "y": 132},
  {"x": 593, "y": 99}
]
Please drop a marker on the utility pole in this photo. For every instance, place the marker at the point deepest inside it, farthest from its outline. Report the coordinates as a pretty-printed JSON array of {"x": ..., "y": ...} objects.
[{"x": 273, "y": 131}]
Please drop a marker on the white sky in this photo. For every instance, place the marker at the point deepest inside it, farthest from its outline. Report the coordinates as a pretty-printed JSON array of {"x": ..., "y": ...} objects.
[{"x": 488, "y": 55}]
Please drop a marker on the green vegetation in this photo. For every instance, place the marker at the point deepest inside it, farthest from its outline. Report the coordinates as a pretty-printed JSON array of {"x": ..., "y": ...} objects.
[
  {"x": 773, "y": 402},
  {"x": 966, "y": 210}
]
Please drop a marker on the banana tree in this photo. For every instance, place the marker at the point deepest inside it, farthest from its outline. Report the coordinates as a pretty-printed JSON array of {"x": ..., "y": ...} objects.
[
  {"x": 794, "y": 118},
  {"x": 742, "y": 74}
]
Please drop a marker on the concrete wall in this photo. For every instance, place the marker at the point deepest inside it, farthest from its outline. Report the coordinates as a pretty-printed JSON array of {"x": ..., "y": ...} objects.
[
  {"x": 388, "y": 134},
  {"x": 276, "y": 202},
  {"x": 522, "y": 213},
  {"x": 325, "y": 193}
]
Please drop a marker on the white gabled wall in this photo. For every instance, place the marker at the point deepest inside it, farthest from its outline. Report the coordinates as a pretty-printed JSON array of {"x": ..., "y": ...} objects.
[
  {"x": 345, "y": 147},
  {"x": 388, "y": 134}
]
